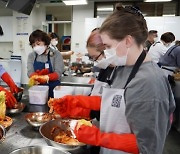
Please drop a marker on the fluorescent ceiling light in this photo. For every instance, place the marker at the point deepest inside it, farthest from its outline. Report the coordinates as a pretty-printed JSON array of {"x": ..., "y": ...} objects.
[
  {"x": 168, "y": 15},
  {"x": 75, "y": 2},
  {"x": 157, "y": 0},
  {"x": 105, "y": 9}
]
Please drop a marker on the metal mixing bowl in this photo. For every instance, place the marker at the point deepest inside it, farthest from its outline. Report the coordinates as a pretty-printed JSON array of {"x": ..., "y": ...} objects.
[
  {"x": 19, "y": 108},
  {"x": 36, "y": 119},
  {"x": 38, "y": 150},
  {"x": 2, "y": 133},
  {"x": 18, "y": 95},
  {"x": 46, "y": 129}
]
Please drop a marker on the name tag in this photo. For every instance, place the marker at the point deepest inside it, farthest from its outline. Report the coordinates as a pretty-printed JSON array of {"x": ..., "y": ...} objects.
[{"x": 47, "y": 65}]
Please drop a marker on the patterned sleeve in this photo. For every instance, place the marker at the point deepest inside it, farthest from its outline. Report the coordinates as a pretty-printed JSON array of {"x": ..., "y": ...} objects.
[{"x": 2, "y": 70}]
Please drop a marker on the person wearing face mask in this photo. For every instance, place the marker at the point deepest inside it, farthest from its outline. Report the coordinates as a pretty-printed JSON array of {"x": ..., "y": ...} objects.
[
  {"x": 54, "y": 41},
  {"x": 44, "y": 64},
  {"x": 158, "y": 49},
  {"x": 152, "y": 38},
  {"x": 135, "y": 108}
]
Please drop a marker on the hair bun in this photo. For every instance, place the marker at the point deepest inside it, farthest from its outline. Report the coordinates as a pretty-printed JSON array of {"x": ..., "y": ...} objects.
[{"x": 119, "y": 7}]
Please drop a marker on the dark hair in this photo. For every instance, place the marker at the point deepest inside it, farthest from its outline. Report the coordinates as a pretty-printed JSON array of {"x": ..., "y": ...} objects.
[
  {"x": 152, "y": 31},
  {"x": 95, "y": 41},
  {"x": 168, "y": 37},
  {"x": 126, "y": 21},
  {"x": 177, "y": 42},
  {"x": 39, "y": 35},
  {"x": 53, "y": 36},
  {"x": 1, "y": 31}
]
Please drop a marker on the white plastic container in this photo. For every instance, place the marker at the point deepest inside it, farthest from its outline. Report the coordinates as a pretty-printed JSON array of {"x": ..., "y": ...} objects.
[
  {"x": 38, "y": 95},
  {"x": 60, "y": 91}
]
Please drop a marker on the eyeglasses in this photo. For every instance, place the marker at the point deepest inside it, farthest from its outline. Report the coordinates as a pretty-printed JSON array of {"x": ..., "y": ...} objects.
[
  {"x": 133, "y": 10},
  {"x": 95, "y": 59}
]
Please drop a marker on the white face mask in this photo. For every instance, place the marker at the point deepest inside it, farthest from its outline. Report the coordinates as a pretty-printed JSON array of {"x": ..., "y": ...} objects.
[
  {"x": 54, "y": 42},
  {"x": 39, "y": 49},
  {"x": 111, "y": 59},
  {"x": 155, "y": 39},
  {"x": 167, "y": 45},
  {"x": 101, "y": 63}
]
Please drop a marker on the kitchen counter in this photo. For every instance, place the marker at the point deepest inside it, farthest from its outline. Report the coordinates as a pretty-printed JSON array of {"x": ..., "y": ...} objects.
[{"x": 21, "y": 134}]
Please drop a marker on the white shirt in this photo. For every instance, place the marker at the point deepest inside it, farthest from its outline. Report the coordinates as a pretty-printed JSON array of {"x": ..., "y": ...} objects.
[{"x": 157, "y": 50}]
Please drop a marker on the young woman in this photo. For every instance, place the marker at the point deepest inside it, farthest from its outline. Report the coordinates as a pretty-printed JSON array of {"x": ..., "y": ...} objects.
[
  {"x": 44, "y": 63},
  {"x": 135, "y": 108}
]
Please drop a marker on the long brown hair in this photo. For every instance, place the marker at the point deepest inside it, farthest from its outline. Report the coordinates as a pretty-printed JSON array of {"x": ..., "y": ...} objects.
[{"x": 126, "y": 21}]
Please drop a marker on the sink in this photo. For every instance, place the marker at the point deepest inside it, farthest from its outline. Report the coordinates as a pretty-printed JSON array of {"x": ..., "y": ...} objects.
[{"x": 76, "y": 81}]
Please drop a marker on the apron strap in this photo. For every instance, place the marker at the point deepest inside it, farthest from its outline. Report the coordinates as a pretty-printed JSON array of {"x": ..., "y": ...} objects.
[
  {"x": 136, "y": 67},
  {"x": 112, "y": 76},
  {"x": 35, "y": 56}
]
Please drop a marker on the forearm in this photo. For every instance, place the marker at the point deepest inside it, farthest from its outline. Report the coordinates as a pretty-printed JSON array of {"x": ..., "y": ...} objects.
[
  {"x": 89, "y": 102},
  {"x": 121, "y": 142}
]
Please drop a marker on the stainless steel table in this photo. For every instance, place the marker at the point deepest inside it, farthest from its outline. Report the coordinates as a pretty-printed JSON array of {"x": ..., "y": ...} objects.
[{"x": 21, "y": 134}]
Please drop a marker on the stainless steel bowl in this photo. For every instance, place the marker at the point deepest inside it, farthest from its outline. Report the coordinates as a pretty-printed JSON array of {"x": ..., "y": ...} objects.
[
  {"x": 38, "y": 150},
  {"x": 18, "y": 95},
  {"x": 36, "y": 119},
  {"x": 2, "y": 133},
  {"x": 19, "y": 108},
  {"x": 46, "y": 129}
]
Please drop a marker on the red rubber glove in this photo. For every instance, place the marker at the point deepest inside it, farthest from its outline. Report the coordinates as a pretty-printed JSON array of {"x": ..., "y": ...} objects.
[
  {"x": 93, "y": 136},
  {"x": 43, "y": 79},
  {"x": 53, "y": 76},
  {"x": 76, "y": 106},
  {"x": 40, "y": 72},
  {"x": 7, "y": 78},
  {"x": 10, "y": 100}
]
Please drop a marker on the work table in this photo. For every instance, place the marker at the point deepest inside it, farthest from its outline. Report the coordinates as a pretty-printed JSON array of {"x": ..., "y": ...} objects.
[{"x": 21, "y": 134}]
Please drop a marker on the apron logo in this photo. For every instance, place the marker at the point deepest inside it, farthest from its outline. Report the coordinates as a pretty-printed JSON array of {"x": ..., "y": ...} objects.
[{"x": 116, "y": 101}]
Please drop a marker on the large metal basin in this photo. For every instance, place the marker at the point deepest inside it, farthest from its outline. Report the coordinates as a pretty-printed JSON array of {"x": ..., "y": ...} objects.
[
  {"x": 38, "y": 150},
  {"x": 76, "y": 81},
  {"x": 46, "y": 129}
]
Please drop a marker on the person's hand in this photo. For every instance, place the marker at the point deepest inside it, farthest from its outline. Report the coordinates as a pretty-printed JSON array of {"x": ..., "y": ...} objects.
[
  {"x": 38, "y": 79},
  {"x": 40, "y": 72},
  {"x": 67, "y": 107},
  {"x": 14, "y": 89},
  {"x": 7, "y": 78},
  {"x": 88, "y": 74},
  {"x": 10, "y": 99},
  {"x": 80, "y": 54},
  {"x": 43, "y": 71}
]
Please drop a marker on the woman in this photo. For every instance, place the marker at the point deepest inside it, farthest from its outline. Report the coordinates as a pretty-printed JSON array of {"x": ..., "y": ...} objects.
[
  {"x": 54, "y": 41},
  {"x": 10, "y": 100},
  {"x": 96, "y": 53},
  {"x": 44, "y": 65},
  {"x": 135, "y": 108}
]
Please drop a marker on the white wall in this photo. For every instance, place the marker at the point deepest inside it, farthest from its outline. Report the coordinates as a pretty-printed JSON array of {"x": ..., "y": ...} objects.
[
  {"x": 5, "y": 48},
  {"x": 21, "y": 45},
  {"x": 78, "y": 41}
]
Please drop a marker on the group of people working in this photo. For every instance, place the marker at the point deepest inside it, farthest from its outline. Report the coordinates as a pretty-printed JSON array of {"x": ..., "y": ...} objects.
[
  {"x": 131, "y": 98},
  {"x": 134, "y": 100}
]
